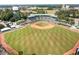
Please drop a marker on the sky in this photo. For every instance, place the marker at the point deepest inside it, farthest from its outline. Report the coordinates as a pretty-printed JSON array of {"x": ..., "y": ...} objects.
[{"x": 3, "y": 2}]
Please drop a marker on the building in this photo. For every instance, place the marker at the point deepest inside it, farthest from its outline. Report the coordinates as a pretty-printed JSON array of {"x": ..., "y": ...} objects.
[
  {"x": 15, "y": 8},
  {"x": 76, "y": 21}
]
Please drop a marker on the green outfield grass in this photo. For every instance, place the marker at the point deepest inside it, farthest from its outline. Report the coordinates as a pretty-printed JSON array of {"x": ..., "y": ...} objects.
[{"x": 49, "y": 41}]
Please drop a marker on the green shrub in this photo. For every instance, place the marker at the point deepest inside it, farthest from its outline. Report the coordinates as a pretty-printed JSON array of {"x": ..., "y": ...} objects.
[{"x": 1, "y": 26}]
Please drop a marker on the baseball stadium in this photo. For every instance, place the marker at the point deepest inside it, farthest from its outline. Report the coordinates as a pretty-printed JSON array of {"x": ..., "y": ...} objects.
[{"x": 41, "y": 36}]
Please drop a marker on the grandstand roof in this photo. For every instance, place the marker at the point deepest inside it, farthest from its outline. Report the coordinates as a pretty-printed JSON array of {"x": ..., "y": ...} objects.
[{"x": 32, "y": 15}]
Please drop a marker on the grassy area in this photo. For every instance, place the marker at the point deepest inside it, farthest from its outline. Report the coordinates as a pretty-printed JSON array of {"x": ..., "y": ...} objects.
[{"x": 51, "y": 41}]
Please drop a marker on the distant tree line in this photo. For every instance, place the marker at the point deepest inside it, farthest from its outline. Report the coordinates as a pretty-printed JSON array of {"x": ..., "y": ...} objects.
[
  {"x": 40, "y": 11},
  {"x": 5, "y": 15},
  {"x": 10, "y": 15},
  {"x": 68, "y": 15}
]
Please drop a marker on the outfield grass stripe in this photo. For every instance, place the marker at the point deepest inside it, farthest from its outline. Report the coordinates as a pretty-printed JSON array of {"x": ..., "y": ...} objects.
[{"x": 53, "y": 41}]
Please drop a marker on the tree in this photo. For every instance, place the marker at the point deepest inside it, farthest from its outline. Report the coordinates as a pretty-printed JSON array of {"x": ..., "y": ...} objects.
[
  {"x": 24, "y": 15},
  {"x": 71, "y": 21},
  {"x": 6, "y": 15},
  {"x": 1, "y": 26},
  {"x": 13, "y": 19},
  {"x": 17, "y": 15},
  {"x": 40, "y": 11},
  {"x": 68, "y": 15}
]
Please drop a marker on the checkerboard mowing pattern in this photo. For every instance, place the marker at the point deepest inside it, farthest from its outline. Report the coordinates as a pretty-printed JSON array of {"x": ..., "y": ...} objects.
[{"x": 55, "y": 41}]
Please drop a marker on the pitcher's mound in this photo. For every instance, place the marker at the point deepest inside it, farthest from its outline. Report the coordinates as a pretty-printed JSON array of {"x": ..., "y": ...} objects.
[{"x": 42, "y": 25}]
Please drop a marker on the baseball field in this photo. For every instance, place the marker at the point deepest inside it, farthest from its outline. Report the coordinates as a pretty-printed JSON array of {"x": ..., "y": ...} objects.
[{"x": 56, "y": 40}]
